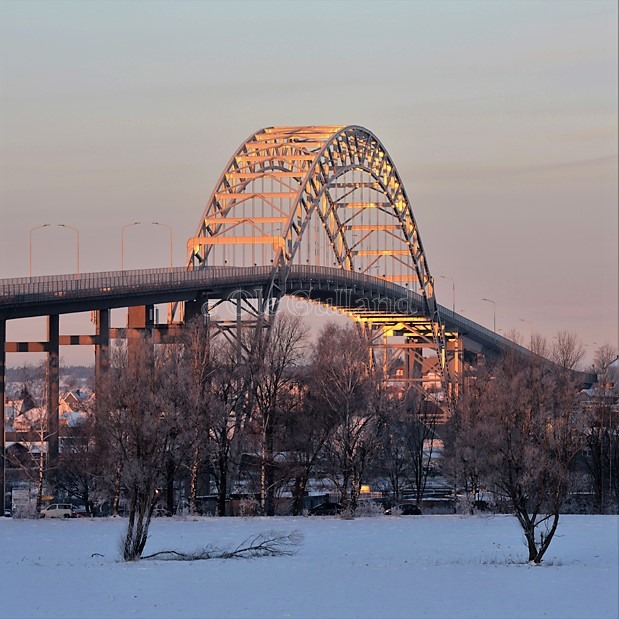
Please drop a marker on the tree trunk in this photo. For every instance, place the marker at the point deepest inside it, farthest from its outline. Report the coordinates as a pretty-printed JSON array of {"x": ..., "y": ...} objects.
[
  {"x": 344, "y": 494},
  {"x": 141, "y": 508},
  {"x": 116, "y": 497},
  {"x": 222, "y": 490},
  {"x": 300, "y": 483},
  {"x": 193, "y": 484},
  {"x": 170, "y": 474},
  {"x": 40, "y": 479},
  {"x": 270, "y": 468}
]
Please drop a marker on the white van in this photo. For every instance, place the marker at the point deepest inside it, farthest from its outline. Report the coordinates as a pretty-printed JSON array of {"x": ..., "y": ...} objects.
[{"x": 58, "y": 510}]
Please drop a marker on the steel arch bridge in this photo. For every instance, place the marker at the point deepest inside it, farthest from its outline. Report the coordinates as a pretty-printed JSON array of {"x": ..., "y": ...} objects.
[
  {"x": 326, "y": 197},
  {"x": 315, "y": 212}
]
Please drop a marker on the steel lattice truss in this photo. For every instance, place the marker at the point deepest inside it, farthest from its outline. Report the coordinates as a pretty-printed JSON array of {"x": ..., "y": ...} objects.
[{"x": 320, "y": 196}]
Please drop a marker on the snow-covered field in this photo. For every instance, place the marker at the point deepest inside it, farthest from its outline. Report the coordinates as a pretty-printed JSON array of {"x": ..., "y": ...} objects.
[{"x": 385, "y": 567}]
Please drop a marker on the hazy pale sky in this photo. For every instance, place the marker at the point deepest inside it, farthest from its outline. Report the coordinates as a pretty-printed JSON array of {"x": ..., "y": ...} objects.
[{"x": 500, "y": 116}]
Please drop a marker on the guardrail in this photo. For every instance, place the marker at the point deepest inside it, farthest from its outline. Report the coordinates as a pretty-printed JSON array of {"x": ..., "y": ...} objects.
[{"x": 30, "y": 290}]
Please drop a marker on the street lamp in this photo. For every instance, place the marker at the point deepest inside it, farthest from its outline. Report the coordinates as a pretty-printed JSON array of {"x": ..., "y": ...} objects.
[
  {"x": 169, "y": 227},
  {"x": 530, "y": 326},
  {"x": 77, "y": 232},
  {"x": 493, "y": 312},
  {"x": 122, "y": 243},
  {"x": 453, "y": 292},
  {"x": 30, "y": 246}
]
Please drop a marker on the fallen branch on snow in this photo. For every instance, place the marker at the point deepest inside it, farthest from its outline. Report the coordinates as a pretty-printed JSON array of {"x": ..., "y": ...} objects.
[{"x": 267, "y": 544}]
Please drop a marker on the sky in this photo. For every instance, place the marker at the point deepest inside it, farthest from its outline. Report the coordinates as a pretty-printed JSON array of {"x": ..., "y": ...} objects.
[{"x": 501, "y": 118}]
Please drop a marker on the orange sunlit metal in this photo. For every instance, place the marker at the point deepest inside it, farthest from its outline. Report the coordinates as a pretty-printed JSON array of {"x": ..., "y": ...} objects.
[{"x": 320, "y": 196}]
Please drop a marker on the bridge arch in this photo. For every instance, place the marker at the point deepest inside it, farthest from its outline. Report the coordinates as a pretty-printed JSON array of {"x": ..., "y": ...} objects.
[{"x": 327, "y": 196}]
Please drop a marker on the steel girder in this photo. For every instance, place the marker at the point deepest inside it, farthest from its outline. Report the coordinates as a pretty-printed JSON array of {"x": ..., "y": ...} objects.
[{"x": 322, "y": 196}]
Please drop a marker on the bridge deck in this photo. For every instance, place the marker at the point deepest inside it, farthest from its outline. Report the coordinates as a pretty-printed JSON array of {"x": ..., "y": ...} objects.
[{"x": 43, "y": 295}]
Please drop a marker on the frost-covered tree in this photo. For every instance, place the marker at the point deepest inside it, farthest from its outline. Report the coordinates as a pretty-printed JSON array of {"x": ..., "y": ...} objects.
[
  {"x": 346, "y": 387},
  {"x": 140, "y": 426},
  {"x": 519, "y": 429},
  {"x": 307, "y": 429},
  {"x": 408, "y": 444},
  {"x": 602, "y": 455},
  {"x": 81, "y": 464},
  {"x": 34, "y": 424},
  {"x": 274, "y": 354}
]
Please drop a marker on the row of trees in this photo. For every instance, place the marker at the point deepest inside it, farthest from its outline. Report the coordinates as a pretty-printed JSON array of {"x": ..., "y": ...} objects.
[
  {"x": 298, "y": 412},
  {"x": 207, "y": 404},
  {"x": 523, "y": 433}
]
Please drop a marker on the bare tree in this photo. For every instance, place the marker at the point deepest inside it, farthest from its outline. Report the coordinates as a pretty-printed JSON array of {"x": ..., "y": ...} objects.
[
  {"x": 393, "y": 464},
  {"x": 601, "y": 457},
  {"x": 307, "y": 429},
  {"x": 419, "y": 435},
  {"x": 540, "y": 346},
  {"x": 274, "y": 355},
  {"x": 346, "y": 388},
  {"x": 34, "y": 424},
  {"x": 189, "y": 384},
  {"x": 567, "y": 350},
  {"x": 522, "y": 428},
  {"x": 603, "y": 360},
  {"x": 462, "y": 459},
  {"x": 229, "y": 418},
  {"x": 81, "y": 462},
  {"x": 139, "y": 427}
]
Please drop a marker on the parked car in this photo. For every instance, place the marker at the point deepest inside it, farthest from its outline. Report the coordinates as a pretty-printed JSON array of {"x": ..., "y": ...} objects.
[
  {"x": 326, "y": 509},
  {"x": 404, "y": 509},
  {"x": 58, "y": 510},
  {"x": 80, "y": 512}
]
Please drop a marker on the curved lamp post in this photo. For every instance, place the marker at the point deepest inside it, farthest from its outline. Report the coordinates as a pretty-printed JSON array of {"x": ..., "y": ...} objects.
[
  {"x": 122, "y": 242},
  {"x": 30, "y": 246},
  {"x": 493, "y": 312},
  {"x": 77, "y": 232},
  {"x": 169, "y": 227},
  {"x": 530, "y": 327},
  {"x": 453, "y": 292}
]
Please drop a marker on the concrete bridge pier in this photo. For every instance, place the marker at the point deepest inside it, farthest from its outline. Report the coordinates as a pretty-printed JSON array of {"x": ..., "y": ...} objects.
[
  {"x": 53, "y": 389},
  {"x": 102, "y": 349}
]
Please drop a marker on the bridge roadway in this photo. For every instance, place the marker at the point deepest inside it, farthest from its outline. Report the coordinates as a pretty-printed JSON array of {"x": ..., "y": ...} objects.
[{"x": 63, "y": 294}]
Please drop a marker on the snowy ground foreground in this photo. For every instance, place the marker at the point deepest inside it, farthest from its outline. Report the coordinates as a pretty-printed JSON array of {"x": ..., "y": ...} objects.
[{"x": 385, "y": 567}]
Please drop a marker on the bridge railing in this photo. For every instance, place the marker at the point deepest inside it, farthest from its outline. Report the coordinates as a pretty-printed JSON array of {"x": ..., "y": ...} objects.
[
  {"x": 467, "y": 326},
  {"x": 29, "y": 288},
  {"x": 46, "y": 287},
  {"x": 35, "y": 289},
  {"x": 25, "y": 291}
]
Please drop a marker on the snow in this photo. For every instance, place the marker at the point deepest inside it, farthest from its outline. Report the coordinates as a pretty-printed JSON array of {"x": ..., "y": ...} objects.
[{"x": 384, "y": 567}]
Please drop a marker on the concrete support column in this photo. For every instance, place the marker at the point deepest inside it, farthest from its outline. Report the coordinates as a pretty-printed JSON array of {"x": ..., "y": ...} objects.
[
  {"x": 102, "y": 348},
  {"x": 2, "y": 411},
  {"x": 53, "y": 388},
  {"x": 454, "y": 360},
  {"x": 140, "y": 323},
  {"x": 141, "y": 317}
]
